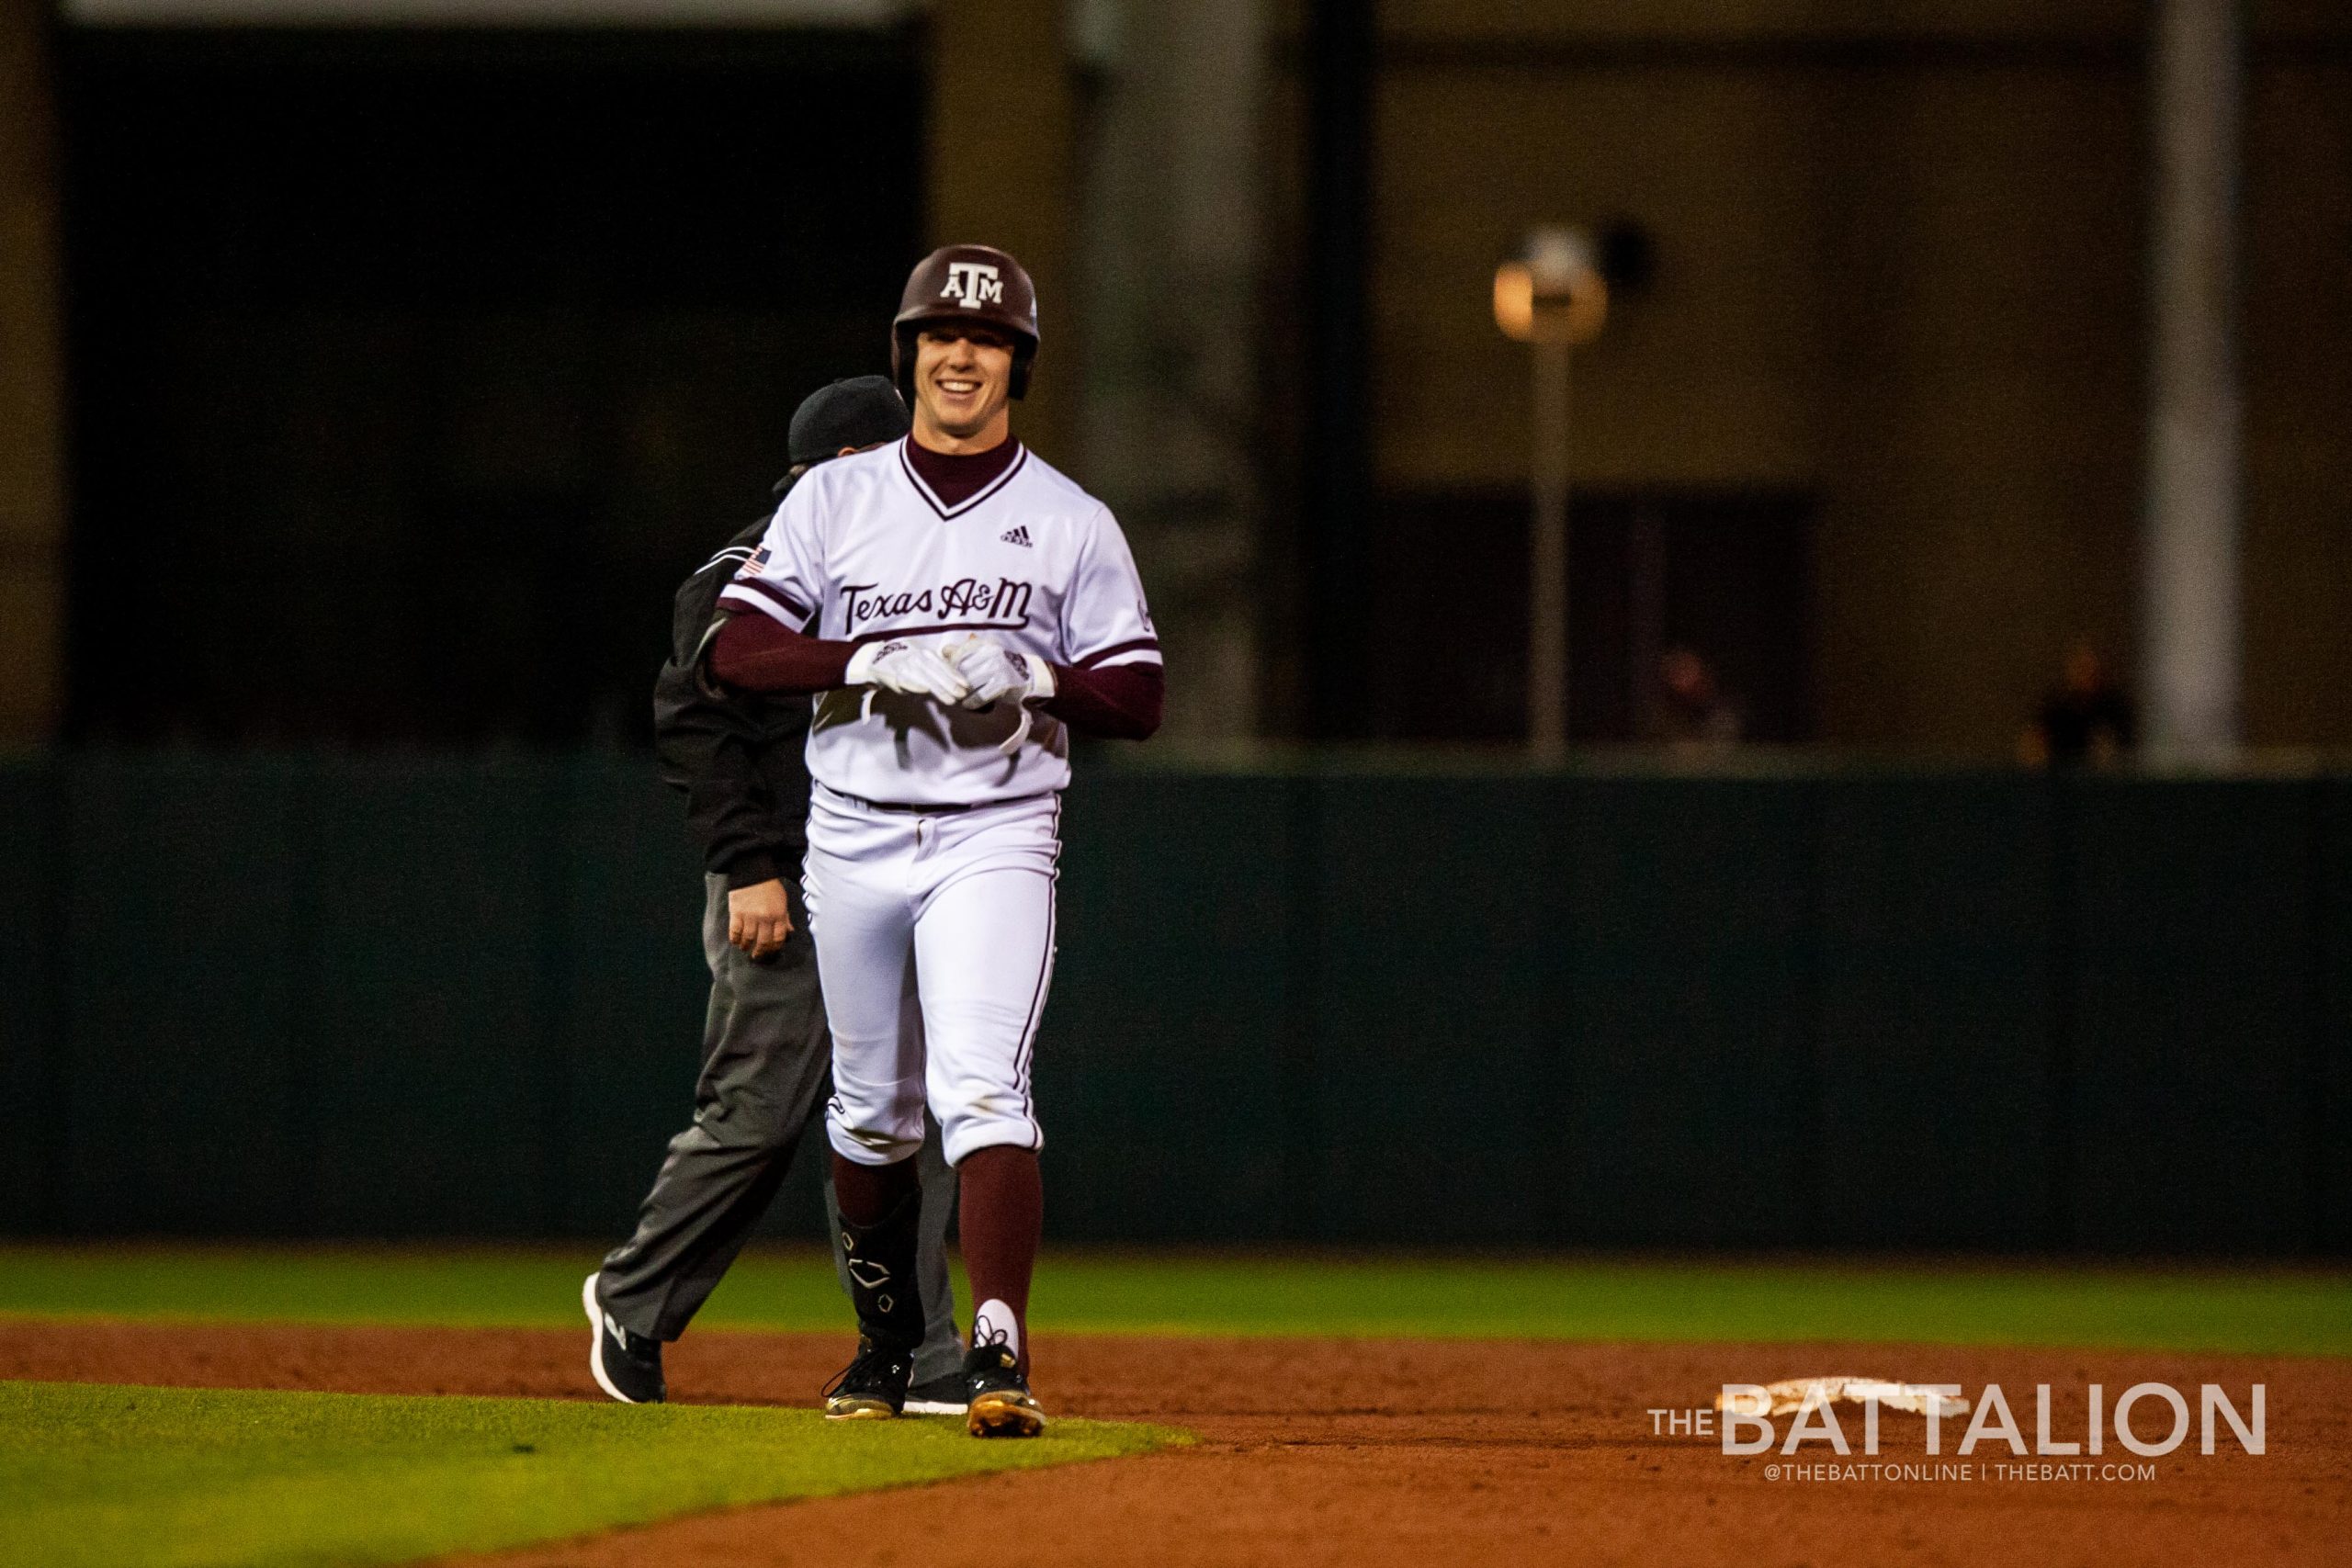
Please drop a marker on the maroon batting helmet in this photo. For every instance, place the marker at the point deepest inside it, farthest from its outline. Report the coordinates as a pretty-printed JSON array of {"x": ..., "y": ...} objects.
[{"x": 966, "y": 283}]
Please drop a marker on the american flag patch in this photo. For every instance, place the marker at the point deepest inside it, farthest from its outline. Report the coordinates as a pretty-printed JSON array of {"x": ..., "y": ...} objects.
[{"x": 759, "y": 561}]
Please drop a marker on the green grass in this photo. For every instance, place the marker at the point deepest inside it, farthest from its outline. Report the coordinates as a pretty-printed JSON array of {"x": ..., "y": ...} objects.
[
  {"x": 116, "y": 1477},
  {"x": 2279, "y": 1310}
]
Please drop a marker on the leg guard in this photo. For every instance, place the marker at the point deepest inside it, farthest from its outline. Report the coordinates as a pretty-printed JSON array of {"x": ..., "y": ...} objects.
[{"x": 884, "y": 1285}]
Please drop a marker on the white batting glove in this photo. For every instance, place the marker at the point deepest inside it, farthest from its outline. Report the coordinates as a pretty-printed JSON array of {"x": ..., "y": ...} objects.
[
  {"x": 907, "y": 667},
  {"x": 994, "y": 673}
]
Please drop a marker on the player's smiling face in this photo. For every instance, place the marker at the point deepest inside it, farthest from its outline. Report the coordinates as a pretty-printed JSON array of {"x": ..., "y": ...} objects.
[{"x": 963, "y": 384}]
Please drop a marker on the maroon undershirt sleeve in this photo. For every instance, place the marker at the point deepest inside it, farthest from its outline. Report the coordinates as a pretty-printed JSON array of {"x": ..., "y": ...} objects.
[
  {"x": 1121, "y": 702},
  {"x": 760, "y": 653}
]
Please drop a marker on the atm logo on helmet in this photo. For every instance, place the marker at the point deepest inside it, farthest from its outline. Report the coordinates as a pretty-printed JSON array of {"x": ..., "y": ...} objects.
[{"x": 973, "y": 284}]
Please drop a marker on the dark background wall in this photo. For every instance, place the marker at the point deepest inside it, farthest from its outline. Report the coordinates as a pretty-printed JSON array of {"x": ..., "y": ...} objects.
[
  {"x": 1725, "y": 571},
  {"x": 1899, "y": 274},
  {"x": 1898, "y": 268},
  {"x": 411, "y": 368},
  {"x": 376, "y": 996}
]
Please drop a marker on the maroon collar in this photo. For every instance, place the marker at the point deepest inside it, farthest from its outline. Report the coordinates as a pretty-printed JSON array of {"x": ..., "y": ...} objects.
[{"x": 953, "y": 482}]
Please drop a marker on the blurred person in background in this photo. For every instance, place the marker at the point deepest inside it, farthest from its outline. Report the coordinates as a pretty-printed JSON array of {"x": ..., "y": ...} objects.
[
  {"x": 766, "y": 1052},
  {"x": 2086, "y": 719},
  {"x": 1688, "y": 712}
]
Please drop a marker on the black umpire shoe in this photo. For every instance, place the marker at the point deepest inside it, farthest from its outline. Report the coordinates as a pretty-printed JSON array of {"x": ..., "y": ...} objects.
[
  {"x": 626, "y": 1365},
  {"x": 943, "y": 1395},
  {"x": 1001, "y": 1404},
  {"x": 873, "y": 1387}
]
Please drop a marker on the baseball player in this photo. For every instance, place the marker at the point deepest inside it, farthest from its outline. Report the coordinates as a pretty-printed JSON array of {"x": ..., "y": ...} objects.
[
  {"x": 955, "y": 608},
  {"x": 766, "y": 1051}
]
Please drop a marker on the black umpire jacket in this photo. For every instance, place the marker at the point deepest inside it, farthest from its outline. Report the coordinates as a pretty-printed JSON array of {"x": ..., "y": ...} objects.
[{"x": 735, "y": 754}]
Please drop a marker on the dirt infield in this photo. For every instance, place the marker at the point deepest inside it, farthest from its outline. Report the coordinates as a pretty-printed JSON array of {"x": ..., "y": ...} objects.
[{"x": 1365, "y": 1452}]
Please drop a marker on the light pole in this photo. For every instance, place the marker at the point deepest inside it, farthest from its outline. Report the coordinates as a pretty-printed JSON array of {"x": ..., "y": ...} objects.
[
  {"x": 2191, "y": 641},
  {"x": 1553, "y": 298}
]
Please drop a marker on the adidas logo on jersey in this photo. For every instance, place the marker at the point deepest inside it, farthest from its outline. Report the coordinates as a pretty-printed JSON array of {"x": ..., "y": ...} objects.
[{"x": 1016, "y": 534}]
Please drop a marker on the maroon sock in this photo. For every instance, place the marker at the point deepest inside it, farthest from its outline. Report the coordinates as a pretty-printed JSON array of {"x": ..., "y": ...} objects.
[
  {"x": 1000, "y": 1213},
  {"x": 869, "y": 1194}
]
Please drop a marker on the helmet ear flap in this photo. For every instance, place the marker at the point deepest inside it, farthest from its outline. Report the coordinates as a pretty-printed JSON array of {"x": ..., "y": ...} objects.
[{"x": 902, "y": 364}]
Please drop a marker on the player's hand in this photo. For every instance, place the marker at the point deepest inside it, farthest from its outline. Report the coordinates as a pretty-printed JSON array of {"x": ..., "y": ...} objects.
[
  {"x": 996, "y": 671},
  {"x": 896, "y": 666},
  {"x": 758, "y": 918}
]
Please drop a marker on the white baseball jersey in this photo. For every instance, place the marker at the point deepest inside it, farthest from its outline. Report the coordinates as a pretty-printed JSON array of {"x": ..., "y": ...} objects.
[{"x": 861, "y": 550}]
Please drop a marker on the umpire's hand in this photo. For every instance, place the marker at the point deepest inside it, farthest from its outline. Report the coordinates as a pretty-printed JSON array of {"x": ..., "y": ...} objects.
[{"x": 758, "y": 920}]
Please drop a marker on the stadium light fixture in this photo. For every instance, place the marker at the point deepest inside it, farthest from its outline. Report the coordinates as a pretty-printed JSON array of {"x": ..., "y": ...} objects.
[{"x": 1550, "y": 296}]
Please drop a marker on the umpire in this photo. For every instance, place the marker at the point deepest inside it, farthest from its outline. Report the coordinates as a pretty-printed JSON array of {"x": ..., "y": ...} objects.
[{"x": 766, "y": 1057}]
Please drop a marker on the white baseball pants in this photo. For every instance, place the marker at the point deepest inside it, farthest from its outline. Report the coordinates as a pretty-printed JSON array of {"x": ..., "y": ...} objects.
[{"x": 935, "y": 937}]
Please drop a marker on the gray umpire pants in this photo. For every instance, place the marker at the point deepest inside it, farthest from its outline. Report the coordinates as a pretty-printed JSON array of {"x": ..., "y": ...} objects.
[{"x": 766, "y": 1065}]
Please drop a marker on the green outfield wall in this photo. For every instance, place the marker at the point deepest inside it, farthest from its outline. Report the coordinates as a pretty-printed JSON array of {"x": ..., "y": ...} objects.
[{"x": 412, "y": 996}]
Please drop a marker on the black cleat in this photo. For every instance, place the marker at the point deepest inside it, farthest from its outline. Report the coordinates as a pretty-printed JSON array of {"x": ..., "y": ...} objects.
[
  {"x": 1001, "y": 1404},
  {"x": 942, "y": 1395},
  {"x": 873, "y": 1387},
  {"x": 626, "y": 1365}
]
